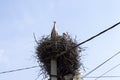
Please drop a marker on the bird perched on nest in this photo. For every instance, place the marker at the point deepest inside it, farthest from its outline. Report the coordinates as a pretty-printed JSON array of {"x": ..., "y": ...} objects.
[{"x": 54, "y": 32}]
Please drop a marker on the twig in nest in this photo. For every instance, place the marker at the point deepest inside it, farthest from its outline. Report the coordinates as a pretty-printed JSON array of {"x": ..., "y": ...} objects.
[{"x": 35, "y": 38}]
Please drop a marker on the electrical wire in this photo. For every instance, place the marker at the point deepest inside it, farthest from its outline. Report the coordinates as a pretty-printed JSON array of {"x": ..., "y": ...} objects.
[
  {"x": 101, "y": 64},
  {"x": 98, "y": 34},
  {"x": 107, "y": 71},
  {"x": 15, "y": 70}
]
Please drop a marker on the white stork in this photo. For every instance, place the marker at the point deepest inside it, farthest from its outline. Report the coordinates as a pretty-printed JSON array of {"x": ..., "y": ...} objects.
[{"x": 54, "y": 32}]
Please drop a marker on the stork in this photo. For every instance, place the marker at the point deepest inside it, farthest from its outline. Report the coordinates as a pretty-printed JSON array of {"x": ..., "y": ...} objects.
[{"x": 54, "y": 32}]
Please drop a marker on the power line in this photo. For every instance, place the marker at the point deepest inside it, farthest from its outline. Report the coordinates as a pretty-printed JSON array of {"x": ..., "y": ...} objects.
[
  {"x": 98, "y": 34},
  {"x": 101, "y": 64},
  {"x": 107, "y": 71},
  {"x": 15, "y": 70}
]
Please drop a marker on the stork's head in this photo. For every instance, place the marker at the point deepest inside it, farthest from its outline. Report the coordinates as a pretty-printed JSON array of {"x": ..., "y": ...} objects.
[{"x": 64, "y": 35}]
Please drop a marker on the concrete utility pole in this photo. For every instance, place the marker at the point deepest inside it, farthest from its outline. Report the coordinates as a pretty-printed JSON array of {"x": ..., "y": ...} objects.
[
  {"x": 53, "y": 69},
  {"x": 54, "y": 61}
]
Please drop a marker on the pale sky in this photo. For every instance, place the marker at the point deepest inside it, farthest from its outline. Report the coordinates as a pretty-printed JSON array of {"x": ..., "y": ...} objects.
[{"x": 81, "y": 18}]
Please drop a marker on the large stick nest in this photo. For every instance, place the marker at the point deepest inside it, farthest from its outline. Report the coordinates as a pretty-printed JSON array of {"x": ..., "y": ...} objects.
[{"x": 67, "y": 63}]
